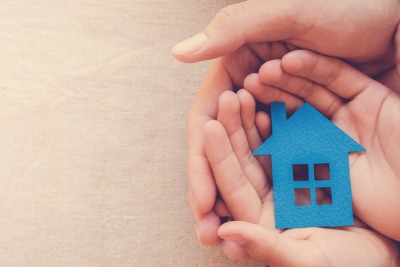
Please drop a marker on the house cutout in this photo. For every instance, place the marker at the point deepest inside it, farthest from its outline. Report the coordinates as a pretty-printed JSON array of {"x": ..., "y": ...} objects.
[{"x": 309, "y": 155}]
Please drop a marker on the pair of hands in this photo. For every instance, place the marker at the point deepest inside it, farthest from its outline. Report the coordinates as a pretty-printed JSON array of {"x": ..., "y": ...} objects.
[
  {"x": 248, "y": 34},
  {"x": 363, "y": 108}
]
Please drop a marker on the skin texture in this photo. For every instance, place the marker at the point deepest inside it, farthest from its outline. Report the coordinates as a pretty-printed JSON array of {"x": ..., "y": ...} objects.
[
  {"x": 248, "y": 196},
  {"x": 247, "y": 34}
]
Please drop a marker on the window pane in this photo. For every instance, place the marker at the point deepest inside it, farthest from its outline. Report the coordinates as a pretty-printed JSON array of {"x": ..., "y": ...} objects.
[
  {"x": 324, "y": 196},
  {"x": 322, "y": 172},
  {"x": 300, "y": 172},
  {"x": 302, "y": 196}
]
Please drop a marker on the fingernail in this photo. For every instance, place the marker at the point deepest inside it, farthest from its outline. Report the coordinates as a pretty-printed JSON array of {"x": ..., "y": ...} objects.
[
  {"x": 190, "y": 45},
  {"x": 234, "y": 238}
]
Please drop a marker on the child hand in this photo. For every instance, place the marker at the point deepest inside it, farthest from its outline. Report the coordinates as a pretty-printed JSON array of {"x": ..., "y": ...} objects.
[
  {"x": 248, "y": 198},
  {"x": 365, "y": 109},
  {"x": 225, "y": 74}
]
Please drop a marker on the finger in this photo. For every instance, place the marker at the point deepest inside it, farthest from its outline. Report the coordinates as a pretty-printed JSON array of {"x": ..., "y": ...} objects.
[
  {"x": 248, "y": 117},
  {"x": 202, "y": 186},
  {"x": 340, "y": 78},
  {"x": 229, "y": 115},
  {"x": 267, "y": 218},
  {"x": 263, "y": 123},
  {"x": 272, "y": 74},
  {"x": 238, "y": 194},
  {"x": 237, "y": 24},
  {"x": 206, "y": 223},
  {"x": 267, "y": 94},
  {"x": 267, "y": 245}
]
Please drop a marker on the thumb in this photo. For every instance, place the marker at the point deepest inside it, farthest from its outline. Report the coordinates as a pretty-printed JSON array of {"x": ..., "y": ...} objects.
[
  {"x": 238, "y": 24},
  {"x": 267, "y": 245}
]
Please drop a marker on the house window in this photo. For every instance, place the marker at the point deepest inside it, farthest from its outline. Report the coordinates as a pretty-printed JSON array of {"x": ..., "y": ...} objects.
[
  {"x": 323, "y": 196},
  {"x": 300, "y": 172},
  {"x": 302, "y": 196},
  {"x": 312, "y": 184},
  {"x": 322, "y": 172}
]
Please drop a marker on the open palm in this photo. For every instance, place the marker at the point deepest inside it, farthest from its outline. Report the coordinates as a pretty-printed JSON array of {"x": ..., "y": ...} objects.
[{"x": 248, "y": 197}]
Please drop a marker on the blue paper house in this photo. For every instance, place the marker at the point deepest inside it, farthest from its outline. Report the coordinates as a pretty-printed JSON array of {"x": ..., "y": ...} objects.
[{"x": 305, "y": 145}]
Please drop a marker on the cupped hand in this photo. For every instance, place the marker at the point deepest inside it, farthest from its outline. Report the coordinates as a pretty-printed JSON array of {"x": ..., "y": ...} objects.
[
  {"x": 241, "y": 35},
  {"x": 225, "y": 74},
  {"x": 363, "y": 108},
  {"x": 248, "y": 196}
]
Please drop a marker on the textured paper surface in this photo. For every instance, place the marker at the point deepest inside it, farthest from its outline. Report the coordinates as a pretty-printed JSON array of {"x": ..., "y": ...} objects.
[{"x": 92, "y": 140}]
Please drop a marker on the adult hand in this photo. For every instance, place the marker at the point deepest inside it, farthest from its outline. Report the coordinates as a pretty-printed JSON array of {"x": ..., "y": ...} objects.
[
  {"x": 241, "y": 180},
  {"x": 358, "y": 31},
  {"x": 360, "y": 106}
]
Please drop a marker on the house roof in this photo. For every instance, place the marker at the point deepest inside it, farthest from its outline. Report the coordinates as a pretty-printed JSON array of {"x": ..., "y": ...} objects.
[{"x": 306, "y": 130}]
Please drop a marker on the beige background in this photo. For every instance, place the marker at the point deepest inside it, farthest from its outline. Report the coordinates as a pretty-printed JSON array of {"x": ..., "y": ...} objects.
[{"x": 92, "y": 139}]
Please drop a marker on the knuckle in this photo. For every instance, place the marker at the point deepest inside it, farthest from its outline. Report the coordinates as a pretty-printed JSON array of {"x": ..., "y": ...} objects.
[
  {"x": 227, "y": 16},
  {"x": 236, "y": 186},
  {"x": 227, "y": 13},
  {"x": 334, "y": 75},
  {"x": 333, "y": 107},
  {"x": 308, "y": 90},
  {"x": 277, "y": 96}
]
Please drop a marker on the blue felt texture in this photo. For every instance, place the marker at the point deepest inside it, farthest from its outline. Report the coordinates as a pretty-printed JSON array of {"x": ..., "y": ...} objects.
[{"x": 307, "y": 137}]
